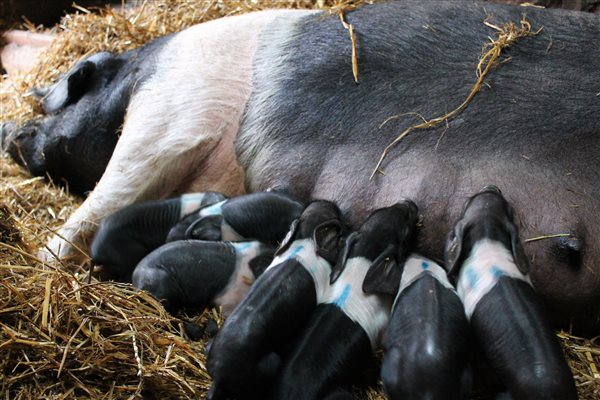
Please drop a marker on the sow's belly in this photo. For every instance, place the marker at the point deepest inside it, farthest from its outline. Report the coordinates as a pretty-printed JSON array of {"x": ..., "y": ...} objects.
[
  {"x": 311, "y": 130},
  {"x": 542, "y": 195}
]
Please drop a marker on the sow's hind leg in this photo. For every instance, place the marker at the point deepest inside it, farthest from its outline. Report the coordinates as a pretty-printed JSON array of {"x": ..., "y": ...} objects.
[{"x": 179, "y": 130}]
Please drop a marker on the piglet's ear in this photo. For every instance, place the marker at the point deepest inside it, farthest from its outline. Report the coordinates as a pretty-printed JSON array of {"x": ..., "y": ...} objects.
[
  {"x": 384, "y": 273},
  {"x": 454, "y": 250},
  {"x": 326, "y": 237},
  {"x": 517, "y": 250},
  {"x": 289, "y": 238},
  {"x": 205, "y": 228},
  {"x": 209, "y": 198},
  {"x": 259, "y": 264},
  {"x": 339, "y": 266}
]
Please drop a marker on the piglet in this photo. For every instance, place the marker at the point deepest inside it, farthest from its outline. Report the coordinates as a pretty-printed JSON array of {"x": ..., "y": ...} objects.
[
  {"x": 196, "y": 274},
  {"x": 426, "y": 344},
  {"x": 338, "y": 343},
  {"x": 246, "y": 353},
  {"x": 486, "y": 258},
  {"x": 128, "y": 235},
  {"x": 264, "y": 216}
]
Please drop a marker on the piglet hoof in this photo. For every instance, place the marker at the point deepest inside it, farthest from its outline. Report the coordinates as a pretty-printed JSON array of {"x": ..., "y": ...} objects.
[{"x": 193, "y": 331}]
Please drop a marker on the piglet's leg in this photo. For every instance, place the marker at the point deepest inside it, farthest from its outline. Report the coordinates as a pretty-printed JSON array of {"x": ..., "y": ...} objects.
[{"x": 179, "y": 129}]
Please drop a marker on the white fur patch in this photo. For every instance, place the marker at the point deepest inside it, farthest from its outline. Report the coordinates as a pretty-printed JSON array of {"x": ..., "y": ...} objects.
[
  {"x": 213, "y": 209},
  {"x": 488, "y": 262},
  {"x": 183, "y": 118},
  {"x": 190, "y": 202},
  {"x": 228, "y": 234},
  {"x": 370, "y": 311},
  {"x": 416, "y": 266},
  {"x": 305, "y": 253},
  {"x": 241, "y": 279}
]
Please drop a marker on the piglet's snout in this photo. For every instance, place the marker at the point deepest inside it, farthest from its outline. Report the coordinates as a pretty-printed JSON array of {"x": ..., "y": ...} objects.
[{"x": 24, "y": 144}]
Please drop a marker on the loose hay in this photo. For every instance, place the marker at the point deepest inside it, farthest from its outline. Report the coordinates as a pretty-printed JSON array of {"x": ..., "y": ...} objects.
[
  {"x": 63, "y": 338},
  {"x": 507, "y": 35}
]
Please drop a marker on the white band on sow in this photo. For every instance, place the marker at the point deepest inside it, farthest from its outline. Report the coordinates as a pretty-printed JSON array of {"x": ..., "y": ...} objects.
[
  {"x": 414, "y": 268},
  {"x": 370, "y": 311},
  {"x": 305, "y": 253},
  {"x": 488, "y": 262}
]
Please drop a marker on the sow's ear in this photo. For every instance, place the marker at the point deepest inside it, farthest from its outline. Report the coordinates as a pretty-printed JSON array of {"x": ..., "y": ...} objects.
[
  {"x": 205, "y": 228},
  {"x": 289, "y": 237},
  {"x": 454, "y": 249},
  {"x": 339, "y": 266},
  {"x": 384, "y": 273},
  {"x": 517, "y": 250},
  {"x": 72, "y": 86}
]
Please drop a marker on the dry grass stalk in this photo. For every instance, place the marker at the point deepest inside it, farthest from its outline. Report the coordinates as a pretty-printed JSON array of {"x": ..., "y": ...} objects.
[
  {"x": 341, "y": 8},
  {"x": 96, "y": 338},
  {"x": 350, "y": 30},
  {"x": 535, "y": 239},
  {"x": 507, "y": 35},
  {"x": 63, "y": 338}
]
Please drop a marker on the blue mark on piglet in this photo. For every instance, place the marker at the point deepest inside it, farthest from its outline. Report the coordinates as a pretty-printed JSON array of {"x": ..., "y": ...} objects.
[
  {"x": 497, "y": 272},
  {"x": 472, "y": 276},
  {"x": 296, "y": 251},
  {"x": 425, "y": 265},
  {"x": 341, "y": 300},
  {"x": 243, "y": 246}
]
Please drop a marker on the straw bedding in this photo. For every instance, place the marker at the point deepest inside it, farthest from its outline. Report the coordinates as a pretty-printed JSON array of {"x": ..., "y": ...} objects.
[{"x": 61, "y": 337}]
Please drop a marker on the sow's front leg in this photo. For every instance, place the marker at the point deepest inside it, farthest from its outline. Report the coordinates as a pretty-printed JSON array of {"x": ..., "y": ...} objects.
[{"x": 179, "y": 129}]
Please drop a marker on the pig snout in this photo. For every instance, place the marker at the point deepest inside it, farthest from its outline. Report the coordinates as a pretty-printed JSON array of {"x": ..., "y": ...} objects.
[
  {"x": 6, "y": 130},
  {"x": 24, "y": 144}
]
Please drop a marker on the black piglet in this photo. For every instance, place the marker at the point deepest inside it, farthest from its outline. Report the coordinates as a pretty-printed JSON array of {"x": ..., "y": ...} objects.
[
  {"x": 486, "y": 257},
  {"x": 338, "y": 343},
  {"x": 427, "y": 340}
]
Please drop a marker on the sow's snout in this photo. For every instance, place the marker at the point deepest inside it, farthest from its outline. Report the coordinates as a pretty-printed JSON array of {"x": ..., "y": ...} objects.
[
  {"x": 6, "y": 131},
  {"x": 24, "y": 145}
]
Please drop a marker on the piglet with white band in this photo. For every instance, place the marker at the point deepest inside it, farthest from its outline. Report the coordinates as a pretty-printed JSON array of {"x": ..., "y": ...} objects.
[
  {"x": 128, "y": 235},
  {"x": 263, "y": 216},
  {"x": 196, "y": 274},
  {"x": 428, "y": 333},
  {"x": 245, "y": 354},
  {"x": 486, "y": 258},
  {"x": 338, "y": 344}
]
